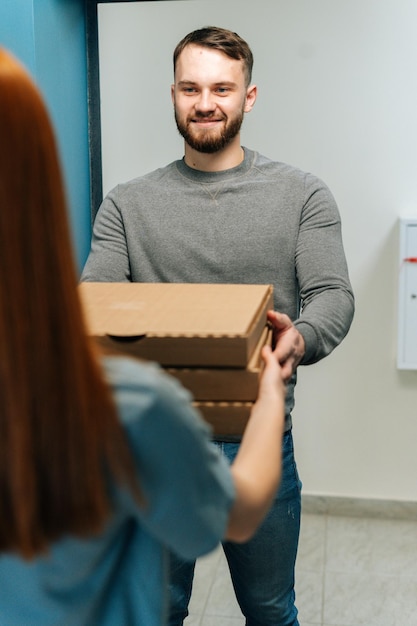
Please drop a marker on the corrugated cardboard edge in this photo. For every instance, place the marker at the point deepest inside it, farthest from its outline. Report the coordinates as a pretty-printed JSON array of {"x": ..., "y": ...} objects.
[
  {"x": 225, "y": 418},
  {"x": 259, "y": 321},
  {"x": 225, "y": 384}
]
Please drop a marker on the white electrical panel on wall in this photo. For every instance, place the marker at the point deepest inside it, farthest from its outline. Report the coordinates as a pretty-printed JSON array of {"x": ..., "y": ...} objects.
[{"x": 407, "y": 296}]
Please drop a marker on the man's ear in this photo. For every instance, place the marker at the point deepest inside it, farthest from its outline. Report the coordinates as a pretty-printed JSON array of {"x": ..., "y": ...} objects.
[
  {"x": 251, "y": 93},
  {"x": 173, "y": 94}
]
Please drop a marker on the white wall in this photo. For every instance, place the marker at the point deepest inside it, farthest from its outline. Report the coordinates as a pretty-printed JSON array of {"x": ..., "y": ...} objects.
[{"x": 338, "y": 97}]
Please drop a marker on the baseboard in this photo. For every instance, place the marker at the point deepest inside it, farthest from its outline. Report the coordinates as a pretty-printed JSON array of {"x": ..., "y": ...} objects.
[{"x": 359, "y": 507}]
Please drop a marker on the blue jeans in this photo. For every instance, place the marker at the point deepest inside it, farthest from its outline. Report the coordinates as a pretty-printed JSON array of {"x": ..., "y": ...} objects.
[{"x": 262, "y": 570}]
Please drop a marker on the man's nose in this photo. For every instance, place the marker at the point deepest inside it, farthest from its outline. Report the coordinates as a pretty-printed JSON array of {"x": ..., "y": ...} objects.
[{"x": 206, "y": 103}]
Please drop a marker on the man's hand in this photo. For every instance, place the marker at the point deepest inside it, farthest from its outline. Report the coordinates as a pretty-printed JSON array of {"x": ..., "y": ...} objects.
[{"x": 289, "y": 343}]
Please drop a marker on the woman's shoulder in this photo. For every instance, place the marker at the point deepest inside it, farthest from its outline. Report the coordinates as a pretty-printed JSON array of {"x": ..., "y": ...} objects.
[{"x": 142, "y": 389}]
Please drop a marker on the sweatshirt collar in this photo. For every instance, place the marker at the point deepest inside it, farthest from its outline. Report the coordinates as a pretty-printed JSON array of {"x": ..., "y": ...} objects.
[{"x": 215, "y": 177}]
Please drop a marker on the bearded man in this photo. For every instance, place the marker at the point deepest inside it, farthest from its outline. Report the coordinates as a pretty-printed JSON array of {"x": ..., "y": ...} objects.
[{"x": 226, "y": 214}]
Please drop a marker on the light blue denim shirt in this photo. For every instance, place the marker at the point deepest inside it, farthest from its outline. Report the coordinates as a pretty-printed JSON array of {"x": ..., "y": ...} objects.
[{"x": 119, "y": 577}]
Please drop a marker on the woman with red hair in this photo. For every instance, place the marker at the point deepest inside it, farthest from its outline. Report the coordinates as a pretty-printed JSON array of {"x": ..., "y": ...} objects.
[{"x": 104, "y": 464}]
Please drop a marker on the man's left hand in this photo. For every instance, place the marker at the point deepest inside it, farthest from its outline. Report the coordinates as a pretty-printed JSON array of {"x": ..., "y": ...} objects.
[{"x": 289, "y": 343}]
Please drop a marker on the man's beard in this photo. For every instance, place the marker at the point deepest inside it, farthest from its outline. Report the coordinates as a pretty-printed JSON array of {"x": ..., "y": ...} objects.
[{"x": 208, "y": 141}]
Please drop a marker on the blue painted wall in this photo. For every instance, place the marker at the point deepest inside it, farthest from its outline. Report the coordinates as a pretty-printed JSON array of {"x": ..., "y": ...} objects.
[{"x": 48, "y": 36}]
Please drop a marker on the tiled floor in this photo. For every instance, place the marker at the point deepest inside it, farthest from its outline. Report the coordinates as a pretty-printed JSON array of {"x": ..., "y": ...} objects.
[{"x": 351, "y": 571}]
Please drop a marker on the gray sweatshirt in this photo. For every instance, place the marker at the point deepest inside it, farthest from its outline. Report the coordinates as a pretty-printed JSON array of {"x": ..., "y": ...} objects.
[{"x": 262, "y": 222}]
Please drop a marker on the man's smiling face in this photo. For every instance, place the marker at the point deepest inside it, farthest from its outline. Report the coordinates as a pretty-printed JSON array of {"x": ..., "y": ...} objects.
[{"x": 209, "y": 97}]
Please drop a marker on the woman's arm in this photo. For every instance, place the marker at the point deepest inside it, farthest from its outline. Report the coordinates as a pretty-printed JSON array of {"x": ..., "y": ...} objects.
[{"x": 256, "y": 470}]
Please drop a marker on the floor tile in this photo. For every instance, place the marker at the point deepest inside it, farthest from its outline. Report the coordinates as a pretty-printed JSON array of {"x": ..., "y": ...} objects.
[
  {"x": 312, "y": 544},
  {"x": 309, "y": 596},
  {"x": 351, "y": 571},
  {"x": 374, "y": 546},
  {"x": 310, "y": 568},
  {"x": 222, "y": 599},
  {"x": 205, "y": 574},
  {"x": 363, "y": 600}
]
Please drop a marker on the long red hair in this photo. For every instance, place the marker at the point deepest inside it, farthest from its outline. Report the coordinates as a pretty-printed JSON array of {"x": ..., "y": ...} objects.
[{"x": 60, "y": 438}]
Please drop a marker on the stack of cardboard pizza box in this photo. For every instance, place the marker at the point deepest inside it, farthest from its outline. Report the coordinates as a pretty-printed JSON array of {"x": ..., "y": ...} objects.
[{"x": 208, "y": 336}]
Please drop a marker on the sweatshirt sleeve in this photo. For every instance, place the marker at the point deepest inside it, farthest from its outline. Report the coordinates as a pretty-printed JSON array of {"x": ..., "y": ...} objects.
[
  {"x": 327, "y": 301},
  {"x": 108, "y": 260}
]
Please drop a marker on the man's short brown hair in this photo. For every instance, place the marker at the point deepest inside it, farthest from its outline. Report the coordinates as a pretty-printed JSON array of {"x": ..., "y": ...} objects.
[{"x": 225, "y": 41}]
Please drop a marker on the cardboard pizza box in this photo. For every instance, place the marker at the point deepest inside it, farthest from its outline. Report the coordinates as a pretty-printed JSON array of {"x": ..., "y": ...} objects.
[{"x": 178, "y": 324}]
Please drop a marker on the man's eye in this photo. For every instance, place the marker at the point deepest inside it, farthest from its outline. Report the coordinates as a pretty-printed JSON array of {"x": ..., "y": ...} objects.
[
  {"x": 189, "y": 90},
  {"x": 222, "y": 90}
]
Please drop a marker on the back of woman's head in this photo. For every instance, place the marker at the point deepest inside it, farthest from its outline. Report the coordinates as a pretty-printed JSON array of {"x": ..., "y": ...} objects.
[
  {"x": 58, "y": 426},
  {"x": 31, "y": 191}
]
